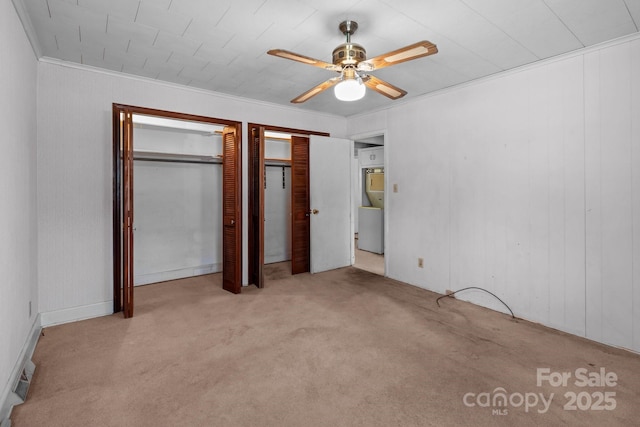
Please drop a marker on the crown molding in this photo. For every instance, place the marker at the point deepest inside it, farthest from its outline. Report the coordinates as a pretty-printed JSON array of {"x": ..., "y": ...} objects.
[{"x": 29, "y": 30}]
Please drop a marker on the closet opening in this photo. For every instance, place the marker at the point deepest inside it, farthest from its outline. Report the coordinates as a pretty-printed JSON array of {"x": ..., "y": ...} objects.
[
  {"x": 176, "y": 200},
  {"x": 279, "y": 233},
  {"x": 277, "y": 202}
]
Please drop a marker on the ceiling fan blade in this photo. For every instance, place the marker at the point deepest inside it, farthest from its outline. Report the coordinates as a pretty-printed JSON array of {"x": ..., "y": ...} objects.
[
  {"x": 304, "y": 59},
  {"x": 315, "y": 90},
  {"x": 407, "y": 53},
  {"x": 384, "y": 88}
]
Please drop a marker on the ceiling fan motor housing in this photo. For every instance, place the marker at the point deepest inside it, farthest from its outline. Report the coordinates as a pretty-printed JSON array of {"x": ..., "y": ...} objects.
[{"x": 349, "y": 54}]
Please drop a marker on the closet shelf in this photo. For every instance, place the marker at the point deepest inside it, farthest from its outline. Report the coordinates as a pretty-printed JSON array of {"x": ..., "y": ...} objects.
[
  {"x": 176, "y": 157},
  {"x": 273, "y": 160}
]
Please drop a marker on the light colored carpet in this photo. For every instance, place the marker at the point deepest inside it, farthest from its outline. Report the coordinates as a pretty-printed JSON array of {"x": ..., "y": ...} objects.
[
  {"x": 342, "y": 348},
  {"x": 369, "y": 261}
]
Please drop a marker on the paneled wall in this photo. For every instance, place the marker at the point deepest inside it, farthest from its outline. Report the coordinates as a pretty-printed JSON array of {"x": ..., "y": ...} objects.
[
  {"x": 277, "y": 214},
  {"x": 18, "y": 226},
  {"x": 75, "y": 173},
  {"x": 612, "y": 159},
  {"x": 526, "y": 184}
]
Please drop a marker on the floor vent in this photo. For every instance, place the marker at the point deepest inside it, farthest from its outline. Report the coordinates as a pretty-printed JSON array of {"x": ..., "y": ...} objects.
[{"x": 20, "y": 389}]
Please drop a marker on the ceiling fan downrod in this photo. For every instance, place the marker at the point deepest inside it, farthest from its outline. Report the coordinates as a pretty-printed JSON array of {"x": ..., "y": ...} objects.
[
  {"x": 348, "y": 28},
  {"x": 348, "y": 53}
]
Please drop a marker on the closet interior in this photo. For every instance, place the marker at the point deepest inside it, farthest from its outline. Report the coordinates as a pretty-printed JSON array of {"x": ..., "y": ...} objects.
[
  {"x": 277, "y": 197},
  {"x": 177, "y": 199}
]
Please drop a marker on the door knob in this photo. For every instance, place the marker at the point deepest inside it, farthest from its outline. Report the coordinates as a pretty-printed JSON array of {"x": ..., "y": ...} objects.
[{"x": 315, "y": 211}]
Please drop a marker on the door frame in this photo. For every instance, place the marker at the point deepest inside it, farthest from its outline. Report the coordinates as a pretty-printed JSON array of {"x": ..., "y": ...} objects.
[
  {"x": 387, "y": 187},
  {"x": 117, "y": 190},
  {"x": 258, "y": 203}
]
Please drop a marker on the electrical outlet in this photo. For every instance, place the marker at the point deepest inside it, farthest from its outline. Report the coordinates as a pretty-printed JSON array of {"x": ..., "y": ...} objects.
[
  {"x": 420, "y": 263},
  {"x": 449, "y": 292},
  {"x": 395, "y": 188}
]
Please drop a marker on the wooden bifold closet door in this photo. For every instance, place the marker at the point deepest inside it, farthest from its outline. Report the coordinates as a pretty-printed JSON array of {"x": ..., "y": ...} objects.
[
  {"x": 127, "y": 214},
  {"x": 231, "y": 212},
  {"x": 300, "y": 221},
  {"x": 256, "y": 205},
  {"x": 123, "y": 215},
  {"x": 122, "y": 211}
]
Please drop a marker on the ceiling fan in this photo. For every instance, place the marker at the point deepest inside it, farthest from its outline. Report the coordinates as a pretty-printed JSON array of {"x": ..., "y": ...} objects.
[{"x": 350, "y": 60}]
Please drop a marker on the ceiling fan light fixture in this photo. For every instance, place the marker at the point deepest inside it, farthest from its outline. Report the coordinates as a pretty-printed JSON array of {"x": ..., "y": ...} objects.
[
  {"x": 350, "y": 90},
  {"x": 350, "y": 60}
]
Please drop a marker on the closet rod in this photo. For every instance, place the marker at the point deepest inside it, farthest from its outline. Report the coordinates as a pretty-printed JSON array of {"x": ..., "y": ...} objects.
[
  {"x": 202, "y": 162},
  {"x": 276, "y": 165}
]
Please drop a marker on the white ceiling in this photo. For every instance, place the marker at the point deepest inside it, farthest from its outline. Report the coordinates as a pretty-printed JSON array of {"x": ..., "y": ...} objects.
[{"x": 221, "y": 45}]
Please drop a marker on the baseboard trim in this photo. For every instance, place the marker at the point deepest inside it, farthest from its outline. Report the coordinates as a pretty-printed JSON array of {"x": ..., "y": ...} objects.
[
  {"x": 276, "y": 258},
  {"x": 181, "y": 273},
  {"x": 73, "y": 314},
  {"x": 7, "y": 400}
]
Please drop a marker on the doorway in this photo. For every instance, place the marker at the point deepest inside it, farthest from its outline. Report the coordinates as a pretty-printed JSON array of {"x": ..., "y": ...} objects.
[
  {"x": 326, "y": 250},
  {"x": 370, "y": 202},
  {"x": 288, "y": 148},
  {"x": 188, "y": 152}
]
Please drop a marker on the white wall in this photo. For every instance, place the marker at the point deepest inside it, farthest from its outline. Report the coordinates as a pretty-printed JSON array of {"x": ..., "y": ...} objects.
[
  {"x": 159, "y": 139},
  {"x": 612, "y": 159},
  {"x": 18, "y": 226},
  {"x": 75, "y": 168},
  {"x": 356, "y": 190},
  {"x": 277, "y": 215},
  {"x": 528, "y": 185},
  {"x": 178, "y": 220}
]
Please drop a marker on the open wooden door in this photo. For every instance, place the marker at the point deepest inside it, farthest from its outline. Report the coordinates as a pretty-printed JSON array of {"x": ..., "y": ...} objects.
[
  {"x": 123, "y": 212},
  {"x": 332, "y": 244},
  {"x": 256, "y": 206},
  {"x": 231, "y": 211},
  {"x": 300, "y": 221},
  {"x": 127, "y": 213},
  {"x": 117, "y": 130}
]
